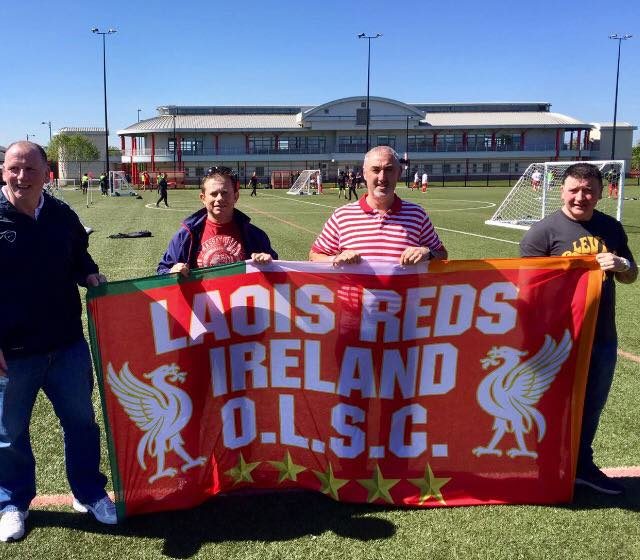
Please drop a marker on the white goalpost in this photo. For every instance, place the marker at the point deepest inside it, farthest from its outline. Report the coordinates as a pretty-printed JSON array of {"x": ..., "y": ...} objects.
[
  {"x": 305, "y": 183},
  {"x": 537, "y": 193},
  {"x": 121, "y": 187}
]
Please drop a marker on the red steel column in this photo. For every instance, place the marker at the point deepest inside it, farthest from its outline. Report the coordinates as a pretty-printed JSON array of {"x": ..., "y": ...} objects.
[
  {"x": 579, "y": 143},
  {"x": 153, "y": 152}
]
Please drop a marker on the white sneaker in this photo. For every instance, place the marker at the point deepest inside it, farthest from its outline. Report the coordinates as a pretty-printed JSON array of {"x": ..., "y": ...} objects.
[
  {"x": 104, "y": 510},
  {"x": 12, "y": 525},
  {"x": 77, "y": 506}
]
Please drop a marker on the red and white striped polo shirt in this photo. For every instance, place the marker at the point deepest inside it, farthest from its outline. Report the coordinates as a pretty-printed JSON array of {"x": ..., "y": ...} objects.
[{"x": 377, "y": 235}]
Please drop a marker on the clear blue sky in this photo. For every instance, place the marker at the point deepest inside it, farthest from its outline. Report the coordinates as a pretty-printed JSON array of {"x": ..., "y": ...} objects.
[{"x": 207, "y": 52}]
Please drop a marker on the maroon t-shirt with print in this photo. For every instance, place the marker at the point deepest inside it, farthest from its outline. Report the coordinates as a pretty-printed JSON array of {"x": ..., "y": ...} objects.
[{"x": 221, "y": 244}]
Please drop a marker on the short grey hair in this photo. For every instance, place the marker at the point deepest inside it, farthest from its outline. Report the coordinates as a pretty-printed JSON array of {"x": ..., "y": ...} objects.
[{"x": 387, "y": 149}]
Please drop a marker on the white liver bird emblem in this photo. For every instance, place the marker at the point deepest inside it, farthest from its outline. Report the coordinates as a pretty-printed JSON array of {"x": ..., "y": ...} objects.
[
  {"x": 161, "y": 410},
  {"x": 510, "y": 392}
]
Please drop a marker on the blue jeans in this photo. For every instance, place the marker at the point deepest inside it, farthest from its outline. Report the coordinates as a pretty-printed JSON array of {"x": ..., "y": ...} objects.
[
  {"x": 66, "y": 377},
  {"x": 601, "y": 368}
]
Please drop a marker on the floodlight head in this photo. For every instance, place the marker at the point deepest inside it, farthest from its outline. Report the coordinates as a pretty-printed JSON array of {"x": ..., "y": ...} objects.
[
  {"x": 362, "y": 35},
  {"x": 112, "y": 30},
  {"x": 94, "y": 30},
  {"x": 378, "y": 35}
]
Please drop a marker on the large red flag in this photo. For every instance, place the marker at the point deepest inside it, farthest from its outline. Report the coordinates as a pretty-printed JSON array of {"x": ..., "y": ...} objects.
[{"x": 455, "y": 383}]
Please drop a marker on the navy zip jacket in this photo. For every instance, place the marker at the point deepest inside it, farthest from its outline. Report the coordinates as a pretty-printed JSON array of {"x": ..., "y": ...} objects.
[
  {"x": 186, "y": 243},
  {"x": 43, "y": 262}
]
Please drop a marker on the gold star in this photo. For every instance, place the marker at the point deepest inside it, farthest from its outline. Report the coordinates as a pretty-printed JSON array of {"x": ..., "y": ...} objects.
[
  {"x": 288, "y": 469},
  {"x": 429, "y": 486},
  {"x": 330, "y": 484},
  {"x": 242, "y": 471},
  {"x": 378, "y": 486}
]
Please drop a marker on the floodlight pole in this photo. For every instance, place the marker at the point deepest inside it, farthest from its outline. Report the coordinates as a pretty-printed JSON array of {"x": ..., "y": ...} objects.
[
  {"x": 139, "y": 114},
  {"x": 104, "y": 87},
  {"x": 368, "y": 38},
  {"x": 618, "y": 38},
  {"x": 49, "y": 123},
  {"x": 407, "y": 150},
  {"x": 30, "y": 135},
  {"x": 175, "y": 144}
]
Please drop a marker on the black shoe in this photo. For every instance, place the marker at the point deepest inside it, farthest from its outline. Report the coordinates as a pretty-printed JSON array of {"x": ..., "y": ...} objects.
[{"x": 595, "y": 479}]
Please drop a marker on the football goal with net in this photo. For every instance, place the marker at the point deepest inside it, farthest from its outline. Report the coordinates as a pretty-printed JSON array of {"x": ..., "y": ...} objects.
[
  {"x": 120, "y": 185},
  {"x": 537, "y": 193},
  {"x": 306, "y": 183}
]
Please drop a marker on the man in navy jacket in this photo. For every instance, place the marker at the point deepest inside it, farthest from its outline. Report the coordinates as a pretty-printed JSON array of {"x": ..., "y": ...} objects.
[
  {"x": 218, "y": 233},
  {"x": 43, "y": 251}
]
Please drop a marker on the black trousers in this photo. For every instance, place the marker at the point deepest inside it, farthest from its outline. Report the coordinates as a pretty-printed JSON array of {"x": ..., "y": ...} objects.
[{"x": 163, "y": 196}]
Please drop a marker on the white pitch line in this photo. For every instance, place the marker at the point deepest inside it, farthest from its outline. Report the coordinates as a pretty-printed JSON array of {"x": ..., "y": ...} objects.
[
  {"x": 477, "y": 235},
  {"x": 438, "y": 228},
  {"x": 301, "y": 201}
]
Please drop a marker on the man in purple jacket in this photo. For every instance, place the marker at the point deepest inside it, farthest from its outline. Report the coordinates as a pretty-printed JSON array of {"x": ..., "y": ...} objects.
[{"x": 218, "y": 233}]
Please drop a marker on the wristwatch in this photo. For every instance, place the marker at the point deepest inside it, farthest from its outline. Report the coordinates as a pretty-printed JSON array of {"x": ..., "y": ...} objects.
[{"x": 626, "y": 263}]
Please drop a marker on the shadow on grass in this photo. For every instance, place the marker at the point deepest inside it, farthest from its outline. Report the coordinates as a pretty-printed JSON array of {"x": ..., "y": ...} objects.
[
  {"x": 263, "y": 517},
  {"x": 586, "y": 498},
  {"x": 279, "y": 517}
]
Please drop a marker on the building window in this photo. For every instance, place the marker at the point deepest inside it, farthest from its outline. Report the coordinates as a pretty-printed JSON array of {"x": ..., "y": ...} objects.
[
  {"x": 420, "y": 143},
  {"x": 478, "y": 141},
  {"x": 449, "y": 143},
  {"x": 446, "y": 168},
  {"x": 486, "y": 168},
  {"x": 188, "y": 146},
  {"x": 199, "y": 171},
  {"x": 428, "y": 168},
  {"x": 316, "y": 144},
  {"x": 302, "y": 144},
  {"x": 351, "y": 144},
  {"x": 361, "y": 117},
  {"x": 458, "y": 168},
  {"x": 516, "y": 167},
  {"x": 474, "y": 168},
  {"x": 387, "y": 141},
  {"x": 260, "y": 171},
  {"x": 508, "y": 142},
  {"x": 261, "y": 144},
  {"x": 504, "y": 167}
]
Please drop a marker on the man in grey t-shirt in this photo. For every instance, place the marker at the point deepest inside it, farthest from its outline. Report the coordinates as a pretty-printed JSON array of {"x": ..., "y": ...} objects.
[{"x": 579, "y": 229}]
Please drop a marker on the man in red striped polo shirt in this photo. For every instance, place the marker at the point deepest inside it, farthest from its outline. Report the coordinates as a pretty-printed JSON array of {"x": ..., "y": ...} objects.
[{"x": 380, "y": 225}]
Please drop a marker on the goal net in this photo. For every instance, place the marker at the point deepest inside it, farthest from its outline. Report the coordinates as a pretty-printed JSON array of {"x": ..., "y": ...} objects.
[
  {"x": 537, "y": 193},
  {"x": 120, "y": 185},
  {"x": 306, "y": 183}
]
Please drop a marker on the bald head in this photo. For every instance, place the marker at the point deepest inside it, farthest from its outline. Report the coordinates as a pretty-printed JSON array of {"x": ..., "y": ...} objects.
[{"x": 26, "y": 145}]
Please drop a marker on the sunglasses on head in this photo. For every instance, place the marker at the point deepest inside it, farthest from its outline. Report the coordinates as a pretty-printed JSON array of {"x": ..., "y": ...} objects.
[{"x": 220, "y": 170}]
